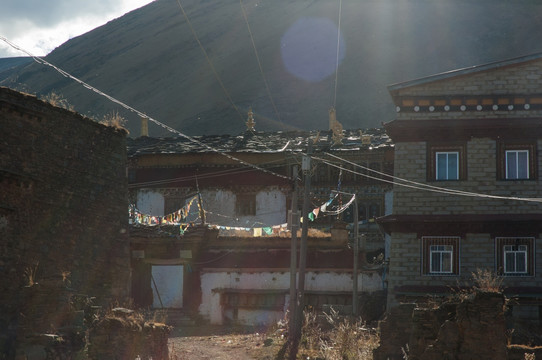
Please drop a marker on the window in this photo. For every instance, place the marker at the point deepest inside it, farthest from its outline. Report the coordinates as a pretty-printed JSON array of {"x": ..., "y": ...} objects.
[
  {"x": 440, "y": 255},
  {"x": 446, "y": 162},
  {"x": 440, "y": 258},
  {"x": 516, "y": 161},
  {"x": 447, "y": 166},
  {"x": 245, "y": 204},
  {"x": 517, "y": 164},
  {"x": 515, "y": 259},
  {"x": 515, "y": 256}
]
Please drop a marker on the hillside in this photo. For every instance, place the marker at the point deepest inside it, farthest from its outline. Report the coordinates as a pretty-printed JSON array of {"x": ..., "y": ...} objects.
[{"x": 150, "y": 59}]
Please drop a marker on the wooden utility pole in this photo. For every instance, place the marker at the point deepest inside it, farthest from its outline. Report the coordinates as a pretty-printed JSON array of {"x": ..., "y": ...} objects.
[
  {"x": 356, "y": 252},
  {"x": 294, "y": 225},
  {"x": 306, "y": 167}
]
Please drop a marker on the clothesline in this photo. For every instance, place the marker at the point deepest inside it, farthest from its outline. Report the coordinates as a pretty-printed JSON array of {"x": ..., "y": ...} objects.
[{"x": 182, "y": 218}]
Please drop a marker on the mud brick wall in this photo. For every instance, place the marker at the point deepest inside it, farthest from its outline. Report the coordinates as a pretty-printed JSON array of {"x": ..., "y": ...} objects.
[
  {"x": 471, "y": 328},
  {"x": 63, "y": 206},
  {"x": 394, "y": 332},
  {"x": 126, "y": 337}
]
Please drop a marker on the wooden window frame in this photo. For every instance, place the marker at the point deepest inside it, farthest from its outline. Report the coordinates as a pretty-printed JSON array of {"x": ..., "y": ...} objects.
[
  {"x": 504, "y": 147},
  {"x": 429, "y": 242},
  {"x": 245, "y": 204},
  {"x": 502, "y": 242},
  {"x": 434, "y": 149}
]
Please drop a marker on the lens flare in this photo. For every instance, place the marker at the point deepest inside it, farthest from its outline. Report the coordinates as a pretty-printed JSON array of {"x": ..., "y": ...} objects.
[{"x": 309, "y": 48}]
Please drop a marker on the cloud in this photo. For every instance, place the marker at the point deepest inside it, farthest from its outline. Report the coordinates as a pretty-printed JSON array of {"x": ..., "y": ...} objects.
[{"x": 39, "y": 26}]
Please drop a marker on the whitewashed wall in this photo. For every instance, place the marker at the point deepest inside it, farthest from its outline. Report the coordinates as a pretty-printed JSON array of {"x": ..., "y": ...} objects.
[
  {"x": 211, "y": 309},
  {"x": 271, "y": 207},
  {"x": 150, "y": 202}
]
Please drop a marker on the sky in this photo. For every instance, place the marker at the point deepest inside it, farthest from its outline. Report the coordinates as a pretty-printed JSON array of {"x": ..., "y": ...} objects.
[{"x": 39, "y": 26}]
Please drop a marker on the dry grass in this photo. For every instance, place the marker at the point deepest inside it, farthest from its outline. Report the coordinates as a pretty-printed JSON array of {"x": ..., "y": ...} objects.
[
  {"x": 487, "y": 281},
  {"x": 57, "y": 100},
  {"x": 30, "y": 273},
  {"x": 113, "y": 119},
  {"x": 335, "y": 337},
  {"x": 349, "y": 338}
]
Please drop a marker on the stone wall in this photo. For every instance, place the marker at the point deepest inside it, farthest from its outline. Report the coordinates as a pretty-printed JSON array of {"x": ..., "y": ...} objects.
[
  {"x": 63, "y": 209},
  {"x": 473, "y": 328},
  {"x": 123, "y": 334},
  {"x": 481, "y": 161},
  {"x": 519, "y": 79}
]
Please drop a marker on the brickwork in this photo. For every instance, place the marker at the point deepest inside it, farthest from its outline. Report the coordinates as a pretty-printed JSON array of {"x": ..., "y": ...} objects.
[
  {"x": 63, "y": 209},
  {"x": 520, "y": 79},
  {"x": 481, "y": 154},
  {"x": 473, "y": 328},
  {"x": 498, "y": 92}
]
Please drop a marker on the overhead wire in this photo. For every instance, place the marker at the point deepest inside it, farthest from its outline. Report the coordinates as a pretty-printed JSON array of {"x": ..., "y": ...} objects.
[
  {"x": 398, "y": 178},
  {"x": 417, "y": 185},
  {"x": 431, "y": 188},
  {"x": 259, "y": 62},
  {"x": 139, "y": 113},
  {"x": 208, "y": 59},
  {"x": 201, "y": 176},
  {"x": 338, "y": 51},
  {"x": 211, "y": 65}
]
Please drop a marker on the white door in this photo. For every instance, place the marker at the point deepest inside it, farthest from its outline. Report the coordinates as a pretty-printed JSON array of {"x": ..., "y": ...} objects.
[{"x": 168, "y": 280}]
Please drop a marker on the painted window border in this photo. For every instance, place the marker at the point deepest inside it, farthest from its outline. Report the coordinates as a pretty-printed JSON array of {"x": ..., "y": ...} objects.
[{"x": 427, "y": 242}]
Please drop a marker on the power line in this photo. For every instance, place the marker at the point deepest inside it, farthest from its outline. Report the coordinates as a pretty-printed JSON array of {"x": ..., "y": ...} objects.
[
  {"x": 208, "y": 59},
  {"x": 259, "y": 62},
  {"x": 201, "y": 176},
  {"x": 211, "y": 65},
  {"x": 425, "y": 187},
  {"x": 338, "y": 48},
  {"x": 139, "y": 113}
]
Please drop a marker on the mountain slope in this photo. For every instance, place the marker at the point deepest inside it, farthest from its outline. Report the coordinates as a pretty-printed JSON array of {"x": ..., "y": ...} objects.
[{"x": 151, "y": 60}]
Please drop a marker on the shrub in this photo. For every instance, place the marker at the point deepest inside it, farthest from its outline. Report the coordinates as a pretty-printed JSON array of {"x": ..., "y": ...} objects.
[{"x": 486, "y": 280}]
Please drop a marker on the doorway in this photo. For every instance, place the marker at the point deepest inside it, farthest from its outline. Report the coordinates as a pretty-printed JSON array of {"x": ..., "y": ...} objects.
[{"x": 167, "y": 286}]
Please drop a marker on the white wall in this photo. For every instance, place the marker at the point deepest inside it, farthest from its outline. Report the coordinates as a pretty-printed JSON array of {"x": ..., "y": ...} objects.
[
  {"x": 271, "y": 207},
  {"x": 211, "y": 309},
  {"x": 150, "y": 202}
]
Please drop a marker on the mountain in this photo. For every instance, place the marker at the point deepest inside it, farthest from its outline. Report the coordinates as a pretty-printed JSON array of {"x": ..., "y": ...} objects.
[
  {"x": 151, "y": 60},
  {"x": 9, "y": 66}
]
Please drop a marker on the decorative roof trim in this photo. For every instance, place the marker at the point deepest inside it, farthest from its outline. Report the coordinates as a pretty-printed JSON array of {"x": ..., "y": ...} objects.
[
  {"x": 464, "y": 71},
  {"x": 476, "y": 103}
]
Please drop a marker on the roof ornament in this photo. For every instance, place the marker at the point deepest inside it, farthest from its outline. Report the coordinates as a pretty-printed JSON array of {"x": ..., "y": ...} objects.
[
  {"x": 250, "y": 121},
  {"x": 366, "y": 139},
  {"x": 335, "y": 127},
  {"x": 317, "y": 138}
]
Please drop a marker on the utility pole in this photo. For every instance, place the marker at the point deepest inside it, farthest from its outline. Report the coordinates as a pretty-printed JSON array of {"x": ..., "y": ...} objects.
[
  {"x": 356, "y": 252},
  {"x": 294, "y": 223},
  {"x": 306, "y": 167}
]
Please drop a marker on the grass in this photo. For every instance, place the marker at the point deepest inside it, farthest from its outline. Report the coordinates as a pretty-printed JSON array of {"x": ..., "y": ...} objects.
[
  {"x": 487, "y": 281},
  {"x": 332, "y": 336}
]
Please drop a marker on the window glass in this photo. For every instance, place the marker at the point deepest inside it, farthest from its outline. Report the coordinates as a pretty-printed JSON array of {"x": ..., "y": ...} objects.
[
  {"x": 515, "y": 258},
  {"x": 441, "y": 258},
  {"x": 447, "y": 165},
  {"x": 523, "y": 165},
  {"x": 440, "y": 255},
  {"x": 517, "y": 164},
  {"x": 453, "y": 166}
]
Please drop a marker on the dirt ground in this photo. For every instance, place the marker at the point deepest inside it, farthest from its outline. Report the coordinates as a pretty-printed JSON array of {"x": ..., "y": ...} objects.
[{"x": 224, "y": 343}]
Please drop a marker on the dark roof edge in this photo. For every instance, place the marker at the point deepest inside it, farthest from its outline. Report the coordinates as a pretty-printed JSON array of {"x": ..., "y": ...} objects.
[{"x": 464, "y": 71}]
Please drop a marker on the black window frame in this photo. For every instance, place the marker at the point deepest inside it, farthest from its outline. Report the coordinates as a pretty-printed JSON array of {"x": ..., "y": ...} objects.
[
  {"x": 434, "y": 149},
  {"x": 429, "y": 241},
  {"x": 504, "y": 146}
]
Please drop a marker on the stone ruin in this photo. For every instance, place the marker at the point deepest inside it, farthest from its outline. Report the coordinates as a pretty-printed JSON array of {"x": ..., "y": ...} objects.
[
  {"x": 57, "y": 323},
  {"x": 470, "y": 326}
]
